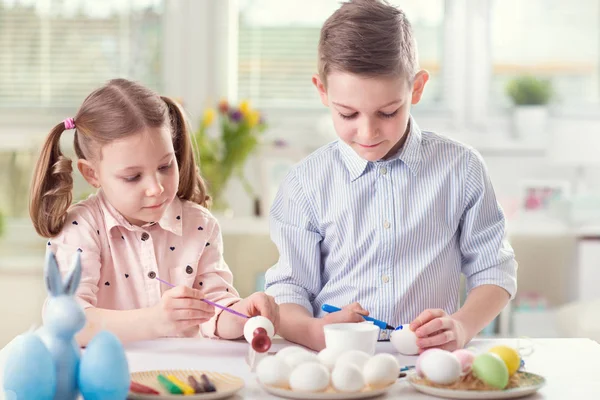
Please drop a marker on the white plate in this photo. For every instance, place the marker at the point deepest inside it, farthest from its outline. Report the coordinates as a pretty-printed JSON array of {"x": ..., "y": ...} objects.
[
  {"x": 328, "y": 395},
  {"x": 226, "y": 385},
  {"x": 514, "y": 393}
]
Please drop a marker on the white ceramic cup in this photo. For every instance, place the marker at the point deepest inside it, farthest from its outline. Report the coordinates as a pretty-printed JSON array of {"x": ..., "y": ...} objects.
[{"x": 351, "y": 336}]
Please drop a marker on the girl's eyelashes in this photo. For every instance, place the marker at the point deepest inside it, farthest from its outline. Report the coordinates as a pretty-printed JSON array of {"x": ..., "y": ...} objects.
[
  {"x": 132, "y": 178},
  {"x": 137, "y": 177},
  {"x": 166, "y": 167}
]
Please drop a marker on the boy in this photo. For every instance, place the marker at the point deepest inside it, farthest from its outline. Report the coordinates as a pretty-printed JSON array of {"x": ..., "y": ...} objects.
[{"x": 388, "y": 216}]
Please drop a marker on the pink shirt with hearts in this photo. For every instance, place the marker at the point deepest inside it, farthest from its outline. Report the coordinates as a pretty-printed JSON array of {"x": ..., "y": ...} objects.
[{"x": 120, "y": 261}]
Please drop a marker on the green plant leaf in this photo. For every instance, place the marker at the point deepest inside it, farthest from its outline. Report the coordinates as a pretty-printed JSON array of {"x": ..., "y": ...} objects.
[
  {"x": 224, "y": 156},
  {"x": 529, "y": 90}
]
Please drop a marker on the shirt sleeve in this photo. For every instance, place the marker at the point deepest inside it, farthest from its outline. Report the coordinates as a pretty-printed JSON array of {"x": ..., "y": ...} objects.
[
  {"x": 80, "y": 234},
  {"x": 216, "y": 278},
  {"x": 487, "y": 257},
  {"x": 296, "y": 278}
]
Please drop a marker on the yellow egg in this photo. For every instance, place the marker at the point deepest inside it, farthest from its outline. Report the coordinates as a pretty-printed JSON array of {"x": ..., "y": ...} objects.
[{"x": 510, "y": 357}]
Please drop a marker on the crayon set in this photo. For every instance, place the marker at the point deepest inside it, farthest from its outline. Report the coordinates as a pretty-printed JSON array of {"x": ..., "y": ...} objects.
[{"x": 176, "y": 386}]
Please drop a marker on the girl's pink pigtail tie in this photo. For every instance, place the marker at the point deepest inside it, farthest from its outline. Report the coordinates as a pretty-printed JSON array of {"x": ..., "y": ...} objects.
[{"x": 69, "y": 123}]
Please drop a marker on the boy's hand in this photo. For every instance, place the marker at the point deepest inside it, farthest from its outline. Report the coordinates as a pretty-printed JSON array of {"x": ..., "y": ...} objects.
[
  {"x": 181, "y": 311},
  {"x": 350, "y": 313},
  {"x": 260, "y": 303},
  {"x": 436, "y": 329}
]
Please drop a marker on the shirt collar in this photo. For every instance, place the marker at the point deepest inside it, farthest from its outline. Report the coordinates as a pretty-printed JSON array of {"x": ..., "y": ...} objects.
[
  {"x": 172, "y": 219},
  {"x": 356, "y": 164},
  {"x": 409, "y": 154}
]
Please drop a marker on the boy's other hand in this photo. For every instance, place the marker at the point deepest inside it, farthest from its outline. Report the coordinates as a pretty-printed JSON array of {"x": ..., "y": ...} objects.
[{"x": 436, "y": 329}]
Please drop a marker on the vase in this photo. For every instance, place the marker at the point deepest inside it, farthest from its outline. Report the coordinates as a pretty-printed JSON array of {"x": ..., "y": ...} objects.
[
  {"x": 220, "y": 206},
  {"x": 530, "y": 123}
]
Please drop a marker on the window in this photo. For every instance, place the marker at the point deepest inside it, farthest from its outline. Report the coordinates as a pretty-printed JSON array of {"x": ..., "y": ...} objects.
[
  {"x": 55, "y": 52},
  {"x": 277, "y": 48},
  {"x": 554, "y": 39}
]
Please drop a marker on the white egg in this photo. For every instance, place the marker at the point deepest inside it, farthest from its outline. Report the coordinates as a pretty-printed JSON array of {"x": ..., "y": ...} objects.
[
  {"x": 421, "y": 358},
  {"x": 354, "y": 357},
  {"x": 289, "y": 350},
  {"x": 328, "y": 357},
  {"x": 405, "y": 341},
  {"x": 381, "y": 370},
  {"x": 273, "y": 371},
  {"x": 300, "y": 357},
  {"x": 309, "y": 377},
  {"x": 347, "y": 378},
  {"x": 257, "y": 322},
  {"x": 441, "y": 367}
]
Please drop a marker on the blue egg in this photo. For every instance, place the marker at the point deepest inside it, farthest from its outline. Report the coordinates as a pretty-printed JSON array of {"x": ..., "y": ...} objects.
[
  {"x": 103, "y": 371},
  {"x": 29, "y": 372}
]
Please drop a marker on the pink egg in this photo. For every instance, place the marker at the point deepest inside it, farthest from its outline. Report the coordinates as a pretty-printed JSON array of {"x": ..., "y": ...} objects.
[
  {"x": 466, "y": 358},
  {"x": 423, "y": 355}
]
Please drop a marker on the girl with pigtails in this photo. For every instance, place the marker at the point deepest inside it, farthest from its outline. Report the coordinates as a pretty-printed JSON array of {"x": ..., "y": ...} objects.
[{"x": 148, "y": 219}]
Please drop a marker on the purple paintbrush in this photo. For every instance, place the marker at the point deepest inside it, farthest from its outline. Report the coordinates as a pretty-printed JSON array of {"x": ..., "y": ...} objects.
[{"x": 212, "y": 303}]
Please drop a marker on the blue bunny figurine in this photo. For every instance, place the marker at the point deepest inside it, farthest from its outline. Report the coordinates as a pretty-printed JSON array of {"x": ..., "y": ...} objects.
[
  {"x": 49, "y": 366},
  {"x": 63, "y": 318}
]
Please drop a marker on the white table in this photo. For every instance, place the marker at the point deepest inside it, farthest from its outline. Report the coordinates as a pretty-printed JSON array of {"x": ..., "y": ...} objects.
[{"x": 571, "y": 366}]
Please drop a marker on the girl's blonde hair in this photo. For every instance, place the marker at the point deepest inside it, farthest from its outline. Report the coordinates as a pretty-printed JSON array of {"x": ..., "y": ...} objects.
[{"x": 119, "y": 109}]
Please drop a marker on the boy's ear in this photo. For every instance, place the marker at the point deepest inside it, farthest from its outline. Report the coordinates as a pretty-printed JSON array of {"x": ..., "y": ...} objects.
[
  {"x": 89, "y": 173},
  {"x": 419, "y": 84},
  {"x": 316, "y": 80}
]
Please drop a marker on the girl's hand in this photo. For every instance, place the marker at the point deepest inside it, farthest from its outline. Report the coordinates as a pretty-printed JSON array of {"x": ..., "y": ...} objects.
[
  {"x": 181, "y": 311},
  {"x": 436, "y": 329},
  {"x": 260, "y": 303}
]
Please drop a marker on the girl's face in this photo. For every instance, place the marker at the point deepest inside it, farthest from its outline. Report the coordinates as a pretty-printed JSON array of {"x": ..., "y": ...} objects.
[{"x": 138, "y": 174}]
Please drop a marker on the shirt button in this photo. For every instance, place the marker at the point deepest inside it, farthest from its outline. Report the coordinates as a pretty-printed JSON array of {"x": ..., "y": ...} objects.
[
  {"x": 189, "y": 269},
  {"x": 385, "y": 278},
  {"x": 383, "y": 170},
  {"x": 145, "y": 236},
  {"x": 151, "y": 274},
  {"x": 387, "y": 224}
]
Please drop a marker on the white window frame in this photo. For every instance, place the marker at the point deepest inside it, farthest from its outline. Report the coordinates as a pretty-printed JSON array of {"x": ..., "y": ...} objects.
[
  {"x": 466, "y": 113},
  {"x": 200, "y": 66},
  {"x": 188, "y": 25},
  {"x": 452, "y": 115}
]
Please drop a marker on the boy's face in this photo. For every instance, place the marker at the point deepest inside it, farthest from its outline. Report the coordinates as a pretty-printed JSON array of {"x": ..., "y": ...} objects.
[{"x": 370, "y": 114}]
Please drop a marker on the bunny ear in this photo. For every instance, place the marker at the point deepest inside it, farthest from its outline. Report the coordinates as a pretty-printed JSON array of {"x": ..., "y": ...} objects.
[
  {"x": 72, "y": 280},
  {"x": 52, "y": 275}
]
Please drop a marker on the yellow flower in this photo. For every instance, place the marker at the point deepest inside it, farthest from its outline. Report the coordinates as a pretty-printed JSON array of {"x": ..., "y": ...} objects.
[
  {"x": 209, "y": 116},
  {"x": 245, "y": 108},
  {"x": 253, "y": 118}
]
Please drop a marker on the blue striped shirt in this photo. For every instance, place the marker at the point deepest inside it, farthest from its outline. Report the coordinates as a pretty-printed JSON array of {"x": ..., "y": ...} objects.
[{"x": 393, "y": 235}]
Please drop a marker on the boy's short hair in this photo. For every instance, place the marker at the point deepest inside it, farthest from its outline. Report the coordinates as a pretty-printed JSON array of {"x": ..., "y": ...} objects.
[{"x": 370, "y": 38}]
